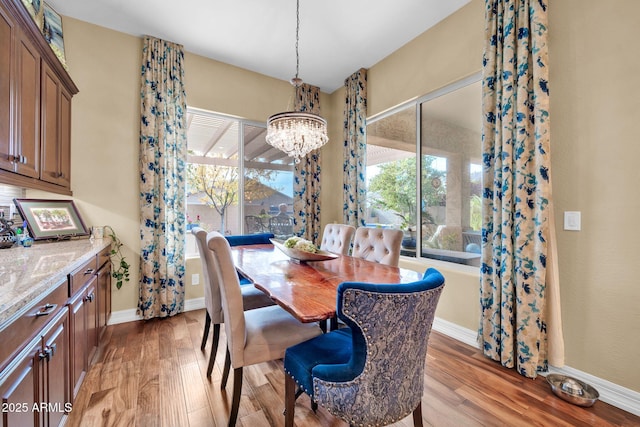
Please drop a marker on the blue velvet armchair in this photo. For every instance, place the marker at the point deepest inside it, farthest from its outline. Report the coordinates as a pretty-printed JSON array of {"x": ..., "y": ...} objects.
[{"x": 372, "y": 372}]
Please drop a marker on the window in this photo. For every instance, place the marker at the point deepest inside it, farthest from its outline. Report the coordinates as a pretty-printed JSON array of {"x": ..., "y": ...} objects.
[
  {"x": 434, "y": 197},
  {"x": 236, "y": 182}
]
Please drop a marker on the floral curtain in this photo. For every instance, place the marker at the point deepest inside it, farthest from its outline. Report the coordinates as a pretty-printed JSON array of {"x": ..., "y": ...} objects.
[
  {"x": 355, "y": 146},
  {"x": 519, "y": 283},
  {"x": 163, "y": 153},
  {"x": 306, "y": 180}
]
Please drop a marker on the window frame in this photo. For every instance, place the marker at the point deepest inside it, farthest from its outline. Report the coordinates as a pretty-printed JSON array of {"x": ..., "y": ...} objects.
[{"x": 416, "y": 103}]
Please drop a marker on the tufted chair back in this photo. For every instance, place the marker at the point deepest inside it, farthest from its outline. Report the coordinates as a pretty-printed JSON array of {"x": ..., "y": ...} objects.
[
  {"x": 380, "y": 245},
  {"x": 371, "y": 373},
  {"x": 336, "y": 238}
]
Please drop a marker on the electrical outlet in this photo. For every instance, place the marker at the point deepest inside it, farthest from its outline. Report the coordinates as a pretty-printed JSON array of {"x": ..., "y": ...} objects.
[{"x": 195, "y": 279}]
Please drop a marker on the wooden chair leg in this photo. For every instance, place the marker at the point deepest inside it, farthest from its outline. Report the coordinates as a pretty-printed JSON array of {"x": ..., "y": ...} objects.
[
  {"x": 205, "y": 335},
  {"x": 237, "y": 389},
  {"x": 214, "y": 348},
  {"x": 417, "y": 416},
  {"x": 225, "y": 371},
  {"x": 289, "y": 400}
]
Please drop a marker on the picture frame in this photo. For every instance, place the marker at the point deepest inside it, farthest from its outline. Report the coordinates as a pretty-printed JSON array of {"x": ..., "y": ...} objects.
[
  {"x": 52, "y": 32},
  {"x": 36, "y": 10},
  {"x": 51, "y": 219}
]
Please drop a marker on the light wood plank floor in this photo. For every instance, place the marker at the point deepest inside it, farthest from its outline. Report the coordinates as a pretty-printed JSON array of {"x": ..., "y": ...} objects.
[{"x": 154, "y": 374}]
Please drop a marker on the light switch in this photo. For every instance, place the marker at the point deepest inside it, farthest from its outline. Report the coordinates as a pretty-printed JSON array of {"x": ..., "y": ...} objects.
[
  {"x": 572, "y": 221},
  {"x": 195, "y": 279}
]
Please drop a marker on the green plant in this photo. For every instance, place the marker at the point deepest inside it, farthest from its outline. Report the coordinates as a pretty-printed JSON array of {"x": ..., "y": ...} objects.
[{"x": 119, "y": 266}]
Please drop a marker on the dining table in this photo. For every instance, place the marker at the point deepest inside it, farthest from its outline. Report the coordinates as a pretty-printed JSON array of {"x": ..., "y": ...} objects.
[{"x": 308, "y": 289}]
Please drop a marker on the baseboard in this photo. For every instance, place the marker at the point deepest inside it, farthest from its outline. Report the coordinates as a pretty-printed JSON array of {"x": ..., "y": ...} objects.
[
  {"x": 613, "y": 394},
  {"x": 124, "y": 316}
]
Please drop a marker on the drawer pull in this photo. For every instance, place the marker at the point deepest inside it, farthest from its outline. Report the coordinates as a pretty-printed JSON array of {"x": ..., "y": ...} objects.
[
  {"x": 46, "y": 310},
  {"x": 89, "y": 271}
]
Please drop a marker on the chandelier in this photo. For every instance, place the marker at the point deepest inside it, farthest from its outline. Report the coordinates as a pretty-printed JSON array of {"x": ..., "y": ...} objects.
[{"x": 296, "y": 133}]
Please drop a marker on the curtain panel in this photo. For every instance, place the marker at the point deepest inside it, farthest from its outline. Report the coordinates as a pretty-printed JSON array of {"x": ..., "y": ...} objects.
[
  {"x": 519, "y": 284},
  {"x": 163, "y": 153},
  {"x": 355, "y": 149},
  {"x": 306, "y": 179}
]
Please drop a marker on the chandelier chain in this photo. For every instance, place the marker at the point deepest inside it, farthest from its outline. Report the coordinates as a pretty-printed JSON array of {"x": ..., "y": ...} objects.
[{"x": 297, "y": 37}]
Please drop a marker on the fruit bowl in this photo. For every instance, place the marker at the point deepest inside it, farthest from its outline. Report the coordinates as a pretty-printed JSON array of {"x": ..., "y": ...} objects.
[{"x": 302, "y": 256}]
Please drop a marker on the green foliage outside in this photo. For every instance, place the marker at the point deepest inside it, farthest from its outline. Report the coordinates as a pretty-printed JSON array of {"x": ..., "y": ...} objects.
[
  {"x": 394, "y": 189},
  {"x": 219, "y": 185}
]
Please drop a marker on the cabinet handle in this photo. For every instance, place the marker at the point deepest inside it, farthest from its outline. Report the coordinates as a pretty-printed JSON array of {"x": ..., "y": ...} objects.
[
  {"x": 46, "y": 310},
  {"x": 23, "y": 159},
  {"x": 12, "y": 158},
  {"x": 90, "y": 297},
  {"x": 53, "y": 347},
  {"x": 88, "y": 271}
]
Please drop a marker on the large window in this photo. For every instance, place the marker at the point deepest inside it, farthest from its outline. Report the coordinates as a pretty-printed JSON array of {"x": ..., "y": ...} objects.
[
  {"x": 433, "y": 197},
  {"x": 236, "y": 182}
]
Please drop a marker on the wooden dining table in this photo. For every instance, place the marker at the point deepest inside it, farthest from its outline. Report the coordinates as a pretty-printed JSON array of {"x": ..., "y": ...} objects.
[{"x": 308, "y": 290}]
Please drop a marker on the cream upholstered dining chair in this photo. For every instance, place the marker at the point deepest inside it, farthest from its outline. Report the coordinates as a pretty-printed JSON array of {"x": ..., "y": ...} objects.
[
  {"x": 371, "y": 372},
  {"x": 336, "y": 238},
  {"x": 380, "y": 245},
  {"x": 253, "y": 336},
  {"x": 251, "y": 297}
]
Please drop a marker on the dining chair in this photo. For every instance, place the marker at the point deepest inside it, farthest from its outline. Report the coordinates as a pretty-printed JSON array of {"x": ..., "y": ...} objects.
[
  {"x": 253, "y": 336},
  {"x": 251, "y": 296},
  {"x": 336, "y": 238},
  {"x": 372, "y": 372},
  {"x": 380, "y": 245}
]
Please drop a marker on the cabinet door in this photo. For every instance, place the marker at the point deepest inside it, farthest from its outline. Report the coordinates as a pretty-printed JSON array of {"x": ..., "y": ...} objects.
[
  {"x": 56, "y": 129},
  {"x": 91, "y": 302},
  {"x": 104, "y": 297},
  {"x": 27, "y": 138},
  {"x": 78, "y": 341},
  {"x": 7, "y": 31},
  {"x": 19, "y": 389},
  {"x": 54, "y": 356}
]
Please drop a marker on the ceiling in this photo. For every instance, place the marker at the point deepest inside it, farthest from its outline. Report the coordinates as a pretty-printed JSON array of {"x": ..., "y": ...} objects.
[{"x": 337, "y": 37}]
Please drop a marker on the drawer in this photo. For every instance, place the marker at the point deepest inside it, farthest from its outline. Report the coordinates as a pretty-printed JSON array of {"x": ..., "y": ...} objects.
[
  {"x": 79, "y": 277},
  {"x": 103, "y": 256},
  {"x": 30, "y": 321}
]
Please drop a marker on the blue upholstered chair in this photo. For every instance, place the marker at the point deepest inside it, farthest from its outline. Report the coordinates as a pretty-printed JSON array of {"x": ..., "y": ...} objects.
[
  {"x": 372, "y": 372},
  {"x": 251, "y": 297}
]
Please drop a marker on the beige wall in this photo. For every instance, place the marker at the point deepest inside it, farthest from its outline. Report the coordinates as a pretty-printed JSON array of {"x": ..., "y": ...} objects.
[
  {"x": 595, "y": 112},
  {"x": 594, "y": 107}
]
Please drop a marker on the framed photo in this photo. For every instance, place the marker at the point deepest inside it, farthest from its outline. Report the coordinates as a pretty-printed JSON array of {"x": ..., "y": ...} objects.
[
  {"x": 52, "y": 31},
  {"x": 51, "y": 219},
  {"x": 36, "y": 10}
]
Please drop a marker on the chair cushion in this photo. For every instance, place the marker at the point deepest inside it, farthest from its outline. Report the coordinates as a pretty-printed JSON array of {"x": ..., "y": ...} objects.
[
  {"x": 300, "y": 361},
  {"x": 269, "y": 331},
  {"x": 249, "y": 239}
]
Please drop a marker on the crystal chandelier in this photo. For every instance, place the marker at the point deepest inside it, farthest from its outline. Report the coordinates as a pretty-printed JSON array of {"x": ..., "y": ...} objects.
[{"x": 296, "y": 133}]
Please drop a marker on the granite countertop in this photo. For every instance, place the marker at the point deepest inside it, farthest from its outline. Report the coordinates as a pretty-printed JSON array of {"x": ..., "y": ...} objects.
[{"x": 29, "y": 273}]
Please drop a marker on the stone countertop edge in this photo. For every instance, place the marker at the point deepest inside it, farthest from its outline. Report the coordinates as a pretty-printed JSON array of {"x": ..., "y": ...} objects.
[{"x": 15, "y": 303}]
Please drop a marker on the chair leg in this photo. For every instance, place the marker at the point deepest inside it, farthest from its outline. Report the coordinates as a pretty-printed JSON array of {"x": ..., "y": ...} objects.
[
  {"x": 237, "y": 389},
  {"x": 205, "y": 335},
  {"x": 214, "y": 348},
  {"x": 289, "y": 400},
  {"x": 417, "y": 416},
  {"x": 225, "y": 370}
]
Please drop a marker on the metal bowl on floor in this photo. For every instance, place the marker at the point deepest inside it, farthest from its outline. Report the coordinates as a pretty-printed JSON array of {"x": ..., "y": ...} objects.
[{"x": 572, "y": 390}]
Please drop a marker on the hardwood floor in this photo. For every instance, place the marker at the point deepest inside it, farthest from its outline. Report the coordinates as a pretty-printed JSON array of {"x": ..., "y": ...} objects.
[{"x": 154, "y": 374}]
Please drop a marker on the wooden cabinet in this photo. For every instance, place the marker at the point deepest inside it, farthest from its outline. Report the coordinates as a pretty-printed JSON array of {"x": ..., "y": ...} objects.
[
  {"x": 34, "y": 387},
  {"x": 104, "y": 290},
  {"x": 84, "y": 332},
  {"x": 56, "y": 130},
  {"x": 35, "y": 106}
]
